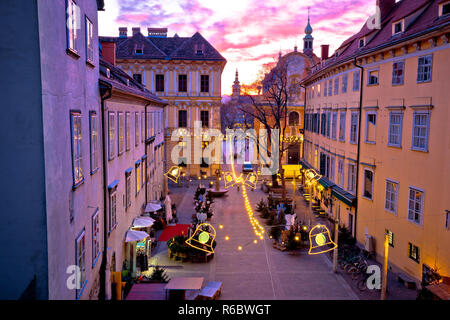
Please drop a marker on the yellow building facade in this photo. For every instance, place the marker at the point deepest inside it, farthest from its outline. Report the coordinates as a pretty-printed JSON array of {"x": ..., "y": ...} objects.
[{"x": 394, "y": 158}]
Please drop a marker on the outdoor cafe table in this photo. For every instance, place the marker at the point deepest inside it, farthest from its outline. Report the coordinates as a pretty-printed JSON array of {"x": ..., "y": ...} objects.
[{"x": 177, "y": 286}]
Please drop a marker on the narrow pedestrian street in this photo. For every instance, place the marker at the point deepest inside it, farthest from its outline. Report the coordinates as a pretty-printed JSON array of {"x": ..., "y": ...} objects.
[{"x": 258, "y": 271}]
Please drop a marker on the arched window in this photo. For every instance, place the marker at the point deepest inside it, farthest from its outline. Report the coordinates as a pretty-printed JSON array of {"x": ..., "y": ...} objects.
[{"x": 294, "y": 119}]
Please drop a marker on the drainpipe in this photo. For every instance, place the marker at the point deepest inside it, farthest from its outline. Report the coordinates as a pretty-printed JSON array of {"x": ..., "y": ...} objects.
[
  {"x": 359, "y": 139},
  {"x": 304, "y": 123},
  {"x": 146, "y": 155},
  {"x": 105, "y": 93}
]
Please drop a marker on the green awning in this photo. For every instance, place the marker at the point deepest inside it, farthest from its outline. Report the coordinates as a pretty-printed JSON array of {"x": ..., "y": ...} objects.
[
  {"x": 325, "y": 182},
  {"x": 344, "y": 196},
  {"x": 304, "y": 164}
]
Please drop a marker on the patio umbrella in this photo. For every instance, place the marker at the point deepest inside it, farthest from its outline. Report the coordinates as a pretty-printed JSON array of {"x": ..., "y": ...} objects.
[
  {"x": 133, "y": 235},
  {"x": 168, "y": 204},
  {"x": 152, "y": 207},
  {"x": 143, "y": 222}
]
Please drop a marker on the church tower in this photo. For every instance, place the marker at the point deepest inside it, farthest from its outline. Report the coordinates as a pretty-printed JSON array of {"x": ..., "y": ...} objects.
[
  {"x": 236, "y": 85},
  {"x": 308, "y": 39}
]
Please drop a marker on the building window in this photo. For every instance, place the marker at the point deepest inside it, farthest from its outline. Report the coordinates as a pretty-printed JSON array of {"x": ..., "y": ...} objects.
[
  {"x": 182, "y": 83},
  {"x": 136, "y": 128},
  {"x": 373, "y": 77},
  {"x": 159, "y": 83},
  {"x": 395, "y": 129},
  {"x": 390, "y": 235},
  {"x": 204, "y": 118},
  {"x": 398, "y": 72},
  {"x": 328, "y": 124},
  {"x": 72, "y": 25},
  {"x": 144, "y": 171},
  {"x": 444, "y": 8},
  {"x": 112, "y": 134},
  {"x": 112, "y": 209},
  {"x": 294, "y": 118},
  {"x": 413, "y": 252},
  {"x": 351, "y": 177},
  {"x": 182, "y": 118},
  {"x": 353, "y": 127},
  {"x": 391, "y": 196},
  {"x": 424, "y": 67},
  {"x": 325, "y": 88},
  {"x": 95, "y": 238},
  {"x": 323, "y": 124},
  {"x": 80, "y": 258},
  {"x": 204, "y": 83},
  {"x": 138, "y": 77},
  {"x": 344, "y": 83},
  {"x": 447, "y": 219},
  {"x": 336, "y": 86},
  {"x": 371, "y": 127},
  {"x": 127, "y": 131},
  {"x": 330, "y": 88},
  {"x": 356, "y": 80},
  {"x": 142, "y": 126},
  {"x": 340, "y": 181},
  {"x": 342, "y": 126},
  {"x": 89, "y": 41},
  {"x": 120, "y": 129},
  {"x": 397, "y": 28},
  {"x": 420, "y": 131},
  {"x": 415, "y": 206},
  {"x": 127, "y": 189},
  {"x": 77, "y": 170},
  {"x": 138, "y": 177},
  {"x": 334, "y": 126},
  {"x": 368, "y": 184},
  {"x": 332, "y": 171},
  {"x": 362, "y": 42},
  {"x": 93, "y": 128}
]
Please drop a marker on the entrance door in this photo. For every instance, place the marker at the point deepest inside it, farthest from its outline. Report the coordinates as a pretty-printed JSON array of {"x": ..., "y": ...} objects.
[
  {"x": 294, "y": 154},
  {"x": 350, "y": 223}
]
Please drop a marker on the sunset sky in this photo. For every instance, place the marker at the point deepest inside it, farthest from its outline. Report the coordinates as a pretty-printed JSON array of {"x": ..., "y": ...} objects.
[{"x": 248, "y": 33}]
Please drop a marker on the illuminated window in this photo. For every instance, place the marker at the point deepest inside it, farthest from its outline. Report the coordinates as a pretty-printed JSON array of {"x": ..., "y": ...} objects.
[
  {"x": 413, "y": 252},
  {"x": 144, "y": 171},
  {"x": 127, "y": 188},
  {"x": 77, "y": 170},
  {"x": 391, "y": 196},
  {"x": 138, "y": 177},
  {"x": 390, "y": 235},
  {"x": 415, "y": 205},
  {"x": 127, "y": 131}
]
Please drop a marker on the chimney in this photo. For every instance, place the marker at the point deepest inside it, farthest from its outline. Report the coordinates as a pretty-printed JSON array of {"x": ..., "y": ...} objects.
[
  {"x": 109, "y": 52},
  {"x": 385, "y": 7},
  {"x": 123, "y": 32},
  {"x": 324, "y": 51},
  {"x": 136, "y": 31},
  {"x": 157, "y": 32}
]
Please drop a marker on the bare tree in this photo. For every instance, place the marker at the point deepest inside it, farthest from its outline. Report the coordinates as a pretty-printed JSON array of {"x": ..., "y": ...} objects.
[{"x": 271, "y": 108}]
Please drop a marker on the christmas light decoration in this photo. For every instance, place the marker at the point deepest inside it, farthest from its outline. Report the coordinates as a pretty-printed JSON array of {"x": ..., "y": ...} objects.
[
  {"x": 203, "y": 238},
  {"x": 320, "y": 240},
  {"x": 173, "y": 174}
]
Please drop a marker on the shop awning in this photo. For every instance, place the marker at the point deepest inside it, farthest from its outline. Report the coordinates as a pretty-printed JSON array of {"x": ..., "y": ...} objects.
[
  {"x": 152, "y": 207},
  {"x": 343, "y": 195},
  {"x": 325, "y": 182},
  {"x": 143, "y": 222},
  {"x": 133, "y": 235}
]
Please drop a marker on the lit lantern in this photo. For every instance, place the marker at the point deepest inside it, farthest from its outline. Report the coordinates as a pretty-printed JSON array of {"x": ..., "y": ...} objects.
[
  {"x": 320, "y": 240},
  {"x": 203, "y": 238},
  {"x": 173, "y": 174}
]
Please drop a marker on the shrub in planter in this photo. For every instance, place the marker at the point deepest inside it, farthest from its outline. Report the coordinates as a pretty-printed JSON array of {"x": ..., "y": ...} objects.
[
  {"x": 260, "y": 206},
  {"x": 159, "y": 275},
  {"x": 275, "y": 232},
  {"x": 265, "y": 213},
  {"x": 272, "y": 218}
]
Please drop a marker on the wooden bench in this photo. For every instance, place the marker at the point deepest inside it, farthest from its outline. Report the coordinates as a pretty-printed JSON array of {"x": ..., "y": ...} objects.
[{"x": 406, "y": 280}]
